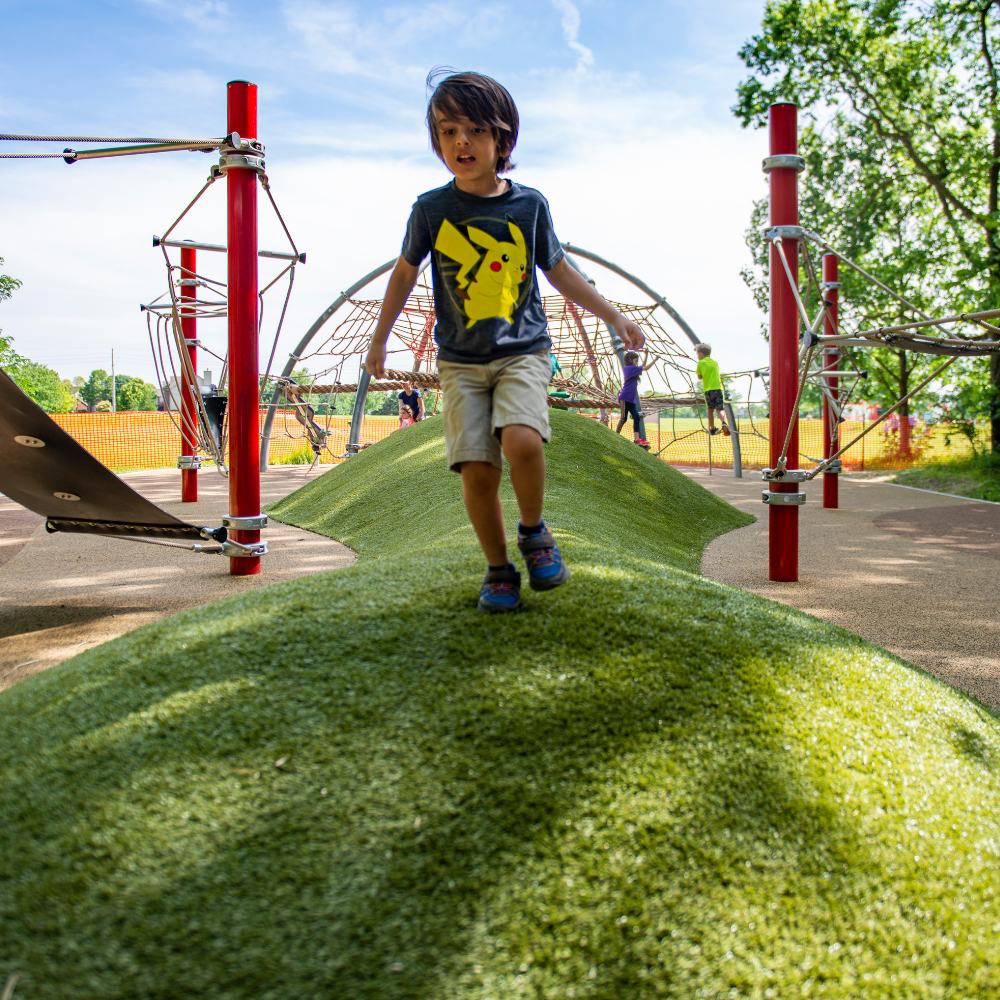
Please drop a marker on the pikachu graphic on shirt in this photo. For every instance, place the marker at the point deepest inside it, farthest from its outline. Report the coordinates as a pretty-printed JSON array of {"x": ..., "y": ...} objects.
[{"x": 496, "y": 286}]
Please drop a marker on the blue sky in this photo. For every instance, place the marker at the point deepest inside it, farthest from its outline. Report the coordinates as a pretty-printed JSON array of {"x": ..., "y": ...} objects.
[{"x": 625, "y": 127}]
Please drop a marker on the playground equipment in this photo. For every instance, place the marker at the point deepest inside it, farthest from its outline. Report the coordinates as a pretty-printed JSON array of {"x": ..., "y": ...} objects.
[
  {"x": 47, "y": 471},
  {"x": 110, "y": 510},
  {"x": 796, "y": 358},
  {"x": 590, "y": 354}
]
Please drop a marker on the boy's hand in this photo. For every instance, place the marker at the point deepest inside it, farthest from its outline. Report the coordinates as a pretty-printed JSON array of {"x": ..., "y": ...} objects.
[
  {"x": 375, "y": 362},
  {"x": 628, "y": 333}
]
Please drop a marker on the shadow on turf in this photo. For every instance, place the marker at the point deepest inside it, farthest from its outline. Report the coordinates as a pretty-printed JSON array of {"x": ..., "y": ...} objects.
[{"x": 361, "y": 887}]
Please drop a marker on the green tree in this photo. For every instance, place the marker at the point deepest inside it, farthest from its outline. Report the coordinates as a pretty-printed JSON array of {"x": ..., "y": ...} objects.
[
  {"x": 9, "y": 358},
  {"x": 7, "y": 284},
  {"x": 134, "y": 393},
  {"x": 95, "y": 389},
  {"x": 52, "y": 393},
  {"x": 909, "y": 99}
]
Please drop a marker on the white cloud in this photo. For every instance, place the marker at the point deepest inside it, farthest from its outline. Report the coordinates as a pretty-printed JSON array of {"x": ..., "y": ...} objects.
[
  {"x": 571, "y": 32},
  {"x": 337, "y": 38}
]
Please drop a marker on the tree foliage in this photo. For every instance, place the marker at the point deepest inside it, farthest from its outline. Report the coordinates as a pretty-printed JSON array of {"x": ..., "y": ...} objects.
[
  {"x": 902, "y": 143},
  {"x": 131, "y": 393}
]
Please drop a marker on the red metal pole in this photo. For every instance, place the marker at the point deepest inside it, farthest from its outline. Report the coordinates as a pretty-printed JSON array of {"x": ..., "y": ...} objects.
[
  {"x": 189, "y": 407},
  {"x": 831, "y": 426},
  {"x": 242, "y": 406},
  {"x": 783, "y": 520}
]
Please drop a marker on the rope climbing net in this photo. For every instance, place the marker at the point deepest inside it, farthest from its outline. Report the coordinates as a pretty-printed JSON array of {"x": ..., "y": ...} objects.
[
  {"x": 587, "y": 351},
  {"x": 206, "y": 424},
  {"x": 917, "y": 336}
]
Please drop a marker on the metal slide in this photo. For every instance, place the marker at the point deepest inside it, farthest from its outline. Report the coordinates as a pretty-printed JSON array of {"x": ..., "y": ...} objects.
[{"x": 47, "y": 471}]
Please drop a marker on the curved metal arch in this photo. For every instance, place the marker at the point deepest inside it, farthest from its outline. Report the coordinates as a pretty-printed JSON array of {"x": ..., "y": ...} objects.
[
  {"x": 622, "y": 273},
  {"x": 359, "y": 400},
  {"x": 265, "y": 444}
]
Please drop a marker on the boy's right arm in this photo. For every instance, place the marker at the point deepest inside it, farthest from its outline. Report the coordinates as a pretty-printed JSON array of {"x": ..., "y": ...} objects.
[{"x": 401, "y": 282}]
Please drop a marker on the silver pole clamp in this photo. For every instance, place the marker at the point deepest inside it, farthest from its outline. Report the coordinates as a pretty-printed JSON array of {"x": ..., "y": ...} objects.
[
  {"x": 189, "y": 461},
  {"x": 240, "y": 160},
  {"x": 254, "y": 523},
  {"x": 237, "y": 550},
  {"x": 784, "y": 476},
  {"x": 835, "y": 468},
  {"x": 832, "y": 286},
  {"x": 783, "y": 499},
  {"x": 192, "y": 342},
  {"x": 785, "y": 233},
  {"x": 784, "y": 160}
]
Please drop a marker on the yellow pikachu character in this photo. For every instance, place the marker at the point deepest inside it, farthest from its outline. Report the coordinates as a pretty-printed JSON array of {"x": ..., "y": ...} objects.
[{"x": 496, "y": 286}]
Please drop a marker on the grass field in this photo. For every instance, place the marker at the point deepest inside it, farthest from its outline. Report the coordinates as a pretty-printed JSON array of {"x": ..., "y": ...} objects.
[
  {"x": 645, "y": 785},
  {"x": 976, "y": 476}
]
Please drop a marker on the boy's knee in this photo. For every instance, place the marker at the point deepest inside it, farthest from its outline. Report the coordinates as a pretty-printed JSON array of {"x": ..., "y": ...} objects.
[{"x": 520, "y": 441}]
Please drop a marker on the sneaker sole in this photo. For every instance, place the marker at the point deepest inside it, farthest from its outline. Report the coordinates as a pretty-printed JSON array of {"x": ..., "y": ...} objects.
[
  {"x": 497, "y": 609},
  {"x": 551, "y": 582}
]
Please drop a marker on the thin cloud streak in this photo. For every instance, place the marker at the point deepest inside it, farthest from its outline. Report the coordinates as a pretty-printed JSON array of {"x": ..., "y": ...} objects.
[{"x": 571, "y": 31}]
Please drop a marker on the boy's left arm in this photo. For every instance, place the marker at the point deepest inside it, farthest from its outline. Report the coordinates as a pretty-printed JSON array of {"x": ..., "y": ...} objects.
[{"x": 568, "y": 281}]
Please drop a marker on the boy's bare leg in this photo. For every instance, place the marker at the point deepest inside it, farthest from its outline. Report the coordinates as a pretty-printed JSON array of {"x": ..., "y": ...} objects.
[
  {"x": 481, "y": 492},
  {"x": 523, "y": 449},
  {"x": 711, "y": 418}
]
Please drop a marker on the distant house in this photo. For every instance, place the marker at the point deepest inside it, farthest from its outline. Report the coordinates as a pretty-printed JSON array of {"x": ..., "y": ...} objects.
[{"x": 169, "y": 395}]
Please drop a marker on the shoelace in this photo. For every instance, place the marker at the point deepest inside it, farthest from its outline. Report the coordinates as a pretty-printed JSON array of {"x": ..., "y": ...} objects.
[
  {"x": 539, "y": 558},
  {"x": 499, "y": 588}
]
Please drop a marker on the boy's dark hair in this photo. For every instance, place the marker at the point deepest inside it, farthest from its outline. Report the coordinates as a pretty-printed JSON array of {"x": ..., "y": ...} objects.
[
  {"x": 484, "y": 102},
  {"x": 631, "y": 358}
]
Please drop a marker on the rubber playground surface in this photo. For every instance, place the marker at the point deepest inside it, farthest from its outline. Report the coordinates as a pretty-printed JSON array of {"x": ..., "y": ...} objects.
[
  {"x": 61, "y": 594},
  {"x": 910, "y": 571}
]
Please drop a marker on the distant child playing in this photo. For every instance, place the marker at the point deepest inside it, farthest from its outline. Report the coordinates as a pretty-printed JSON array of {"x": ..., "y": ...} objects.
[
  {"x": 629, "y": 398},
  {"x": 708, "y": 374},
  {"x": 485, "y": 236}
]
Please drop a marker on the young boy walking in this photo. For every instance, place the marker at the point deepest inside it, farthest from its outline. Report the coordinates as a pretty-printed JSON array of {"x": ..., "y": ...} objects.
[
  {"x": 485, "y": 236},
  {"x": 629, "y": 398},
  {"x": 711, "y": 381}
]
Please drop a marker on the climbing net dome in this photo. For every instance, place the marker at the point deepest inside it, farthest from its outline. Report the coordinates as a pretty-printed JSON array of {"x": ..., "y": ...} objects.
[{"x": 587, "y": 351}]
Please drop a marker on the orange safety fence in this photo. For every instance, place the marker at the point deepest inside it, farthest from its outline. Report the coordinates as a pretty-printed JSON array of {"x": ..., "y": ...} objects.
[
  {"x": 148, "y": 440},
  {"x": 132, "y": 440},
  {"x": 686, "y": 442}
]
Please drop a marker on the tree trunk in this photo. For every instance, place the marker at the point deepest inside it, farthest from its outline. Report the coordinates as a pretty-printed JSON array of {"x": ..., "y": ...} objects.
[
  {"x": 904, "y": 409},
  {"x": 995, "y": 402}
]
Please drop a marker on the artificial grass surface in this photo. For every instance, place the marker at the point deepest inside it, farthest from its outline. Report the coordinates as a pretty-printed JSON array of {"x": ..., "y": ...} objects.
[{"x": 647, "y": 784}]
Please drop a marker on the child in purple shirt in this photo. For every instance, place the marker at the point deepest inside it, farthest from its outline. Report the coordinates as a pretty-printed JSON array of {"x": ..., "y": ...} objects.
[{"x": 629, "y": 398}]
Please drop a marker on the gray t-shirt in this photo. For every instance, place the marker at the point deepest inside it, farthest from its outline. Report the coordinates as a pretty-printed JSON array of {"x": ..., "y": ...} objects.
[{"x": 484, "y": 252}]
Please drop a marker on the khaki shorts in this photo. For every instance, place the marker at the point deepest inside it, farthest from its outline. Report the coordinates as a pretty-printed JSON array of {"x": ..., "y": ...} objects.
[{"x": 481, "y": 399}]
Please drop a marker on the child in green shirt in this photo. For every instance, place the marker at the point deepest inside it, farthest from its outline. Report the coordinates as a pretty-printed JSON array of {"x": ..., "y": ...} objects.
[{"x": 708, "y": 374}]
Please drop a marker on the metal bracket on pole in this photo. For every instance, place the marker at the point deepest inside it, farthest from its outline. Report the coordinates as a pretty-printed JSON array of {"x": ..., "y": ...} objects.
[
  {"x": 231, "y": 160},
  {"x": 789, "y": 160},
  {"x": 784, "y": 475},
  {"x": 835, "y": 468},
  {"x": 828, "y": 286},
  {"x": 785, "y": 233},
  {"x": 254, "y": 523},
  {"x": 189, "y": 461},
  {"x": 237, "y": 550},
  {"x": 783, "y": 499}
]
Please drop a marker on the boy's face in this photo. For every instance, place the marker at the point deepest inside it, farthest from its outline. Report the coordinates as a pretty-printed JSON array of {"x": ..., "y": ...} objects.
[{"x": 469, "y": 151}]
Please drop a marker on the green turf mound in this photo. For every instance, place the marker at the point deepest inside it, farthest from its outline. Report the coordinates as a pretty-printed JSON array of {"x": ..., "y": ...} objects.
[{"x": 645, "y": 785}]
